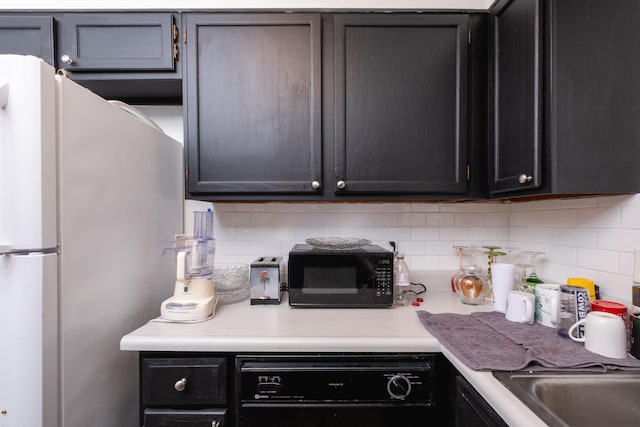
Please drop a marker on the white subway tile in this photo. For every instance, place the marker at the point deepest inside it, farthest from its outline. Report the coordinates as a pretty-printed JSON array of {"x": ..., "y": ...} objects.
[
  {"x": 266, "y": 219},
  {"x": 618, "y": 240},
  {"x": 411, "y": 219},
  {"x": 235, "y": 219},
  {"x": 266, "y": 249},
  {"x": 599, "y": 260},
  {"x": 233, "y": 248},
  {"x": 251, "y": 233},
  {"x": 578, "y": 237},
  {"x": 440, "y": 220},
  {"x": 425, "y": 233},
  {"x": 495, "y": 219},
  {"x": 411, "y": 248},
  {"x": 468, "y": 219},
  {"x": 484, "y": 234},
  {"x": 454, "y": 233},
  {"x": 425, "y": 207},
  {"x": 599, "y": 217},
  {"x": 630, "y": 216}
]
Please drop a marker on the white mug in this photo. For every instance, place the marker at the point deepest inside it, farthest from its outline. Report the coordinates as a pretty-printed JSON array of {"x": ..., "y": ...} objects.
[
  {"x": 503, "y": 280},
  {"x": 547, "y": 304},
  {"x": 604, "y": 334},
  {"x": 520, "y": 307}
]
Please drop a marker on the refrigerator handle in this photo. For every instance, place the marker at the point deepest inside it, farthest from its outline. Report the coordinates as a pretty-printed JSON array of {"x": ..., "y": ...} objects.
[
  {"x": 6, "y": 250},
  {"x": 4, "y": 93}
]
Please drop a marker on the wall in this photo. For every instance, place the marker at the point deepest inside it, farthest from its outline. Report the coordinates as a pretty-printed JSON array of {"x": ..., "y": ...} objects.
[{"x": 589, "y": 237}]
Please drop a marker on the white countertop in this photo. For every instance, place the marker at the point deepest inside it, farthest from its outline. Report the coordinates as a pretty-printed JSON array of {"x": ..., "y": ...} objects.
[{"x": 242, "y": 327}]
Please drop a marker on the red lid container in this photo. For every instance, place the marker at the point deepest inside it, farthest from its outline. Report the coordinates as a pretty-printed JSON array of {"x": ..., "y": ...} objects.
[{"x": 609, "y": 307}]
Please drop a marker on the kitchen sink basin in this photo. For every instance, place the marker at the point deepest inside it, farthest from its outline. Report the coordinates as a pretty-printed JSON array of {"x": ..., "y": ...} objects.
[{"x": 578, "y": 399}]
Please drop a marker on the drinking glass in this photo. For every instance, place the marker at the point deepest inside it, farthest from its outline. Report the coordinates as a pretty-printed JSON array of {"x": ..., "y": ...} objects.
[{"x": 460, "y": 271}]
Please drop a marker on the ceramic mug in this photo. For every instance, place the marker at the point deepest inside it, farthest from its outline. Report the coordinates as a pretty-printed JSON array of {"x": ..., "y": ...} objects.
[
  {"x": 520, "y": 307},
  {"x": 635, "y": 335},
  {"x": 503, "y": 280},
  {"x": 547, "y": 304},
  {"x": 604, "y": 334}
]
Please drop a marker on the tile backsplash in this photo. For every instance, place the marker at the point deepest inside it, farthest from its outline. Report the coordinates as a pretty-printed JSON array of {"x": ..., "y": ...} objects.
[{"x": 587, "y": 237}]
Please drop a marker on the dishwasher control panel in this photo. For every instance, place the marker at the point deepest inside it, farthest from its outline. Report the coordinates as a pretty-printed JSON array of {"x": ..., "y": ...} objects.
[{"x": 335, "y": 379}]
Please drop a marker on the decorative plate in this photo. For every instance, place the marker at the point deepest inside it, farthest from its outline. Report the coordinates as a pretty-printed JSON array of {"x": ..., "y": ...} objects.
[{"x": 336, "y": 243}]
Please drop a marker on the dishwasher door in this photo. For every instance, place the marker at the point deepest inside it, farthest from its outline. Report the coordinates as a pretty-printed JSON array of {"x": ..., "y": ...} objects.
[{"x": 336, "y": 390}]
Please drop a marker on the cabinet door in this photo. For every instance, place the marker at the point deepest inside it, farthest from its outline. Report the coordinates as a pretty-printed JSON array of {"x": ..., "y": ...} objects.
[
  {"x": 400, "y": 103},
  {"x": 252, "y": 104},
  {"x": 515, "y": 161},
  {"x": 27, "y": 35},
  {"x": 117, "y": 42},
  {"x": 471, "y": 409}
]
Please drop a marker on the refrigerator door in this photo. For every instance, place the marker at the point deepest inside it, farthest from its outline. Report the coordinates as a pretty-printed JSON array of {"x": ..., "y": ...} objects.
[
  {"x": 28, "y": 323},
  {"x": 120, "y": 195},
  {"x": 27, "y": 155}
]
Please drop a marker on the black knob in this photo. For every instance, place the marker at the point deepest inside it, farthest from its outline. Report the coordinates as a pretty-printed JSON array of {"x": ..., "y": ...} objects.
[{"x": 399, "y": 387}]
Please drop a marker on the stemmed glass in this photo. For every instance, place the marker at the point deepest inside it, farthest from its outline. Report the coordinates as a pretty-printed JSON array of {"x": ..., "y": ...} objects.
[
  {"x": 460, "y": 271},
  {"x": 472, "y": 287},
  {"x": 492, "y": 252},
  {"x": 533, "y": 278}
]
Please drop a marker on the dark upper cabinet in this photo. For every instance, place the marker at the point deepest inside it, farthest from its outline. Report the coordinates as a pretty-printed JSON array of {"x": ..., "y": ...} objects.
[
  {"x": 252, "y": 104},
  {"x": 564, "y": 93},
  {"x": 117, "y": 42},
  {"x": 332, "y": 106},
  {"x": 401, "y": 104},
  {"x": 130, "y": 56},
  {"x": 27, "y": 35}
]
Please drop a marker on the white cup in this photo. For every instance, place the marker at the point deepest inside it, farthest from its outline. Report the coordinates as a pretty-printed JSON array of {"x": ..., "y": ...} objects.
[
  {"x": 503, "y": 280},
  {"x": 604, "y": 334},
  {"x": 520, "y": 307},
  {"x": 547, "y": 304}
]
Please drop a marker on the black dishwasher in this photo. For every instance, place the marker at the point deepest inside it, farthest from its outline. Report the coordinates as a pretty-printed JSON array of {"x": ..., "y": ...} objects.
[{"x": 338, "y": 390}]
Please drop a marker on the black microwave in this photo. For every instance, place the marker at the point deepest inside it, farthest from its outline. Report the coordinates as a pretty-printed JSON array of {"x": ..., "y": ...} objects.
[{"x": 350, "y": 278}]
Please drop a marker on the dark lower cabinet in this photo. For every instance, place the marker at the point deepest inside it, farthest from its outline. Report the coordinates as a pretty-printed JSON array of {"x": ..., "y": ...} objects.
[
  {"x": 470, "y": 409},
  {"x": 184, "y": 418},
  {"x": 563, "y": 97},
  {"x": 184, "y": 390}
]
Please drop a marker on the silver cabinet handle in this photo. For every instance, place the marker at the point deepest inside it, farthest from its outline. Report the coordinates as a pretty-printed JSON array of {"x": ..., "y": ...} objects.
[
  {"x": 66, "y": 59},
  {"x": 523, "y": 178},
  {"x": 181, "y": 384},
  {"x": 341, "y": 185},
  {"x": 315, "y": 185},
  {"x": 215, "y": 423}
]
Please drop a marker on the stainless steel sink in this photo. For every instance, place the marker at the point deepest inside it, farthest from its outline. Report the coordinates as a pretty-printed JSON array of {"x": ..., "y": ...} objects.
[{"x": 572, "y": 399}]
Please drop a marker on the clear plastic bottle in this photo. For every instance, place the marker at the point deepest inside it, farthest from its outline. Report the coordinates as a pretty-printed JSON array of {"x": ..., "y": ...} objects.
[{"x": 401, "y": 280}]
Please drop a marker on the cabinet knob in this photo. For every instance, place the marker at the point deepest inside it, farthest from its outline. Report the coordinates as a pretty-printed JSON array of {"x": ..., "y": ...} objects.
[
  {"x": 341, "y": 185},
  {"x": 315, "y": 185},
  {"x": 181, "y": 384},
  {"x": 523, "y": 178},
  {"x": 66, "y": 59}
]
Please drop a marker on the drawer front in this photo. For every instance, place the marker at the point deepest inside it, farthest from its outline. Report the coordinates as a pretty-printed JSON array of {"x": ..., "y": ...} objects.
[
  {"x": 184, "y": 381},
  {"x": 173, "y": 418}
]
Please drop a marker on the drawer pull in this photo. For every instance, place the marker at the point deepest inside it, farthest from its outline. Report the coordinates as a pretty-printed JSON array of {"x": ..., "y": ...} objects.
[
  {"x": 215, "y": 423},
  {"x": 181, "y": 384}
]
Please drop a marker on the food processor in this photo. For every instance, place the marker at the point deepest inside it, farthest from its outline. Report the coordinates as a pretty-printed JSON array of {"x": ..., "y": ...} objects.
[{"x": 194, "y": 295}]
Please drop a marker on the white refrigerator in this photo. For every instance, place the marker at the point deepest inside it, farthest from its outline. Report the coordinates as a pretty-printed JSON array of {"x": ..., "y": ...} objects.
[{"x": 88, "y": 193}]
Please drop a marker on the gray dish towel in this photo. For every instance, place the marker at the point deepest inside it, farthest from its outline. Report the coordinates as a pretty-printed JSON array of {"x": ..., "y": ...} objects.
[{"x": 489, "y": 342}]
